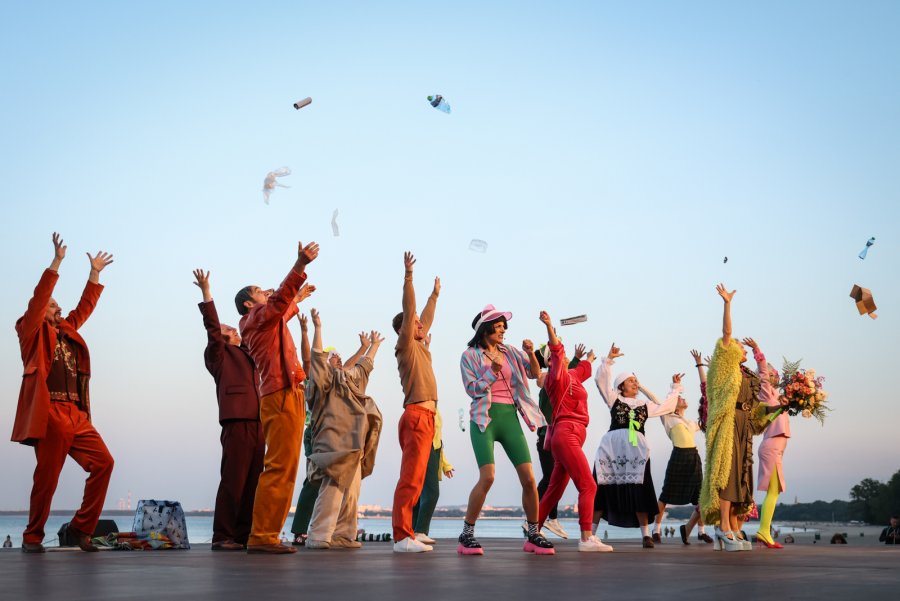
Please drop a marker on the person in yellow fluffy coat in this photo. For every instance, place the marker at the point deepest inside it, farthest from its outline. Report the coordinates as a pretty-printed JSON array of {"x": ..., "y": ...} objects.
[{"x": 735, "y": 414}]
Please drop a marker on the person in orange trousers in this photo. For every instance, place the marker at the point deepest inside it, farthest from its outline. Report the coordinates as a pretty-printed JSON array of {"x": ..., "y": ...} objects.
[
  {"x": 282, "y": 411},
  {"x": 54, "y": 410},
  {"x": 416, "y": 428}
]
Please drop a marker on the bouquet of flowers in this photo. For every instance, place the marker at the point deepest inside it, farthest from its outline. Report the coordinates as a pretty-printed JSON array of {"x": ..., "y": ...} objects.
[{"x": 803, "y": 391}]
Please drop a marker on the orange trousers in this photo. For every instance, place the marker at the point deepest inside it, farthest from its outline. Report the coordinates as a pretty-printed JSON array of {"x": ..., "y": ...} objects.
[
  {"x": 416, "y": 432},
  {"x": 69, "y": 432},
  {"x": 282, "y": 414}
]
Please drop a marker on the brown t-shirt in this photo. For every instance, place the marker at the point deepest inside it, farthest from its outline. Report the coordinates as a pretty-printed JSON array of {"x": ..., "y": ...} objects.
[{"x": 413, "y": 357}]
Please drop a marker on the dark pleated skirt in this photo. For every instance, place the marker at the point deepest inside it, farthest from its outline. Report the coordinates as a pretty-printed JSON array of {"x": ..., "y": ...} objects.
[
  {"x": 620, "y": 502},
  {"x": 683, "y": 477}
]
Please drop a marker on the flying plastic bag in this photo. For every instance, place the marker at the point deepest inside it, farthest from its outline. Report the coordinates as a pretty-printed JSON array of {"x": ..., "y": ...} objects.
[
  {"x": 478, "y": 245},
  {"x": 438, "y": 102},
  {"x": 865, "y": 251},
  {"x": 272, "y": 180},
  {"x": 334, "y": 225}
]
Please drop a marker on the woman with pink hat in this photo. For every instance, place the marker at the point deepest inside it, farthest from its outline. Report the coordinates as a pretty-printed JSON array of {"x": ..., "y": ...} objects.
[
  {"x": 495, "y": 377},
  {"x": 625, "y": 493}
]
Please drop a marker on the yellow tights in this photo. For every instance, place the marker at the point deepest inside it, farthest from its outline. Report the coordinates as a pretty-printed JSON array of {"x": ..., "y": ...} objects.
[{"x": 768, "y": 507}]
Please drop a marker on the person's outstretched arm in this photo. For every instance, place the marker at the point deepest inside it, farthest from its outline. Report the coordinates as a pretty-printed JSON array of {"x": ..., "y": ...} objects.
[
  {"x": 34, "y": 315},
  {"x": 92, "y": 289},
  {"x": 364, "y": 344},
  {"x": 376, "y": 339},
  {"x": 215, "y": 342},
  {"x": 282, "y": 300},
  {"x": 427, "y": 316},
  {"x": 726, "y": 312},
  {"x": 408, "y": 327},
  {"x": 604, "y": 378},
  {"x": 305, "y": 355}
]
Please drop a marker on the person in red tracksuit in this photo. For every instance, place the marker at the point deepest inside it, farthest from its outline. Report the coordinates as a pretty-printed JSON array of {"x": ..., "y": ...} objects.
[
  {"x": 566, "y": 436},
  {"x": 243, "y": 443},
  {"x": 54, "y": 409}
]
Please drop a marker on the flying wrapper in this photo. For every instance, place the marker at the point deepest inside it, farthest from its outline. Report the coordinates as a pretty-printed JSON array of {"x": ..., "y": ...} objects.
[
  {"x": 438, "y": 102},
  {"x": 272, "y": 180}
]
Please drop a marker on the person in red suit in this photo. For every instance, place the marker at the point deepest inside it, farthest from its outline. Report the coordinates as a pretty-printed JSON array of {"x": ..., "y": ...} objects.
[
  {"x": 54, "y": 410},
  {"x": 243, "y": 443}
]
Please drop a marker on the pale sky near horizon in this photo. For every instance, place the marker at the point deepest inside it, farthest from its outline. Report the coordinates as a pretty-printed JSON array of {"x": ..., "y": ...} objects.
[{"x": 610, "y": 154}]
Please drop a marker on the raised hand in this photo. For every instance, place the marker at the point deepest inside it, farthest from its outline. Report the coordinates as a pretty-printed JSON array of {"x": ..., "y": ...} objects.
[
  {"x": 59, "y": 249},
  {"x": 750, "y": 342},
  {"x": 707, "y": 360},
  {"x": 100, "y": 260},
  {"x": 591, "y": 356},
  {"x": 376, "y": 337},
  {"x": 545, "y": 318},
  {"x": 364, "y": 340},
  {"x": 676, "y": 378},
  {"x": 723, "y": 292},
  {"x": 317, "y": 321},
  {"x": 437, "y": 286},
  {"x": 697, "y": 357},
  {"x": 304, "y": 322},
  {"x": 304, "y": 293},
  {"x": 614, "y": 352},
  {"x": 408, "y": 261},
  {"x": 579, "y": 351},
  {"x": 307, "y": 254},
  {"x": 202, "y": 279}
]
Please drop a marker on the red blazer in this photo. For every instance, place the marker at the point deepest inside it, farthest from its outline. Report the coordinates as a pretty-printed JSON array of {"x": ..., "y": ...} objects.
[
  {"x": 37, "y": 339},
  {"x": 232, "y": 369}
]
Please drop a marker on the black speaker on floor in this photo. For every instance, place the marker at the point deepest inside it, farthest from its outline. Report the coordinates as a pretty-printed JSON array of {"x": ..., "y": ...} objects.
[{"x": 104, "y": 527}]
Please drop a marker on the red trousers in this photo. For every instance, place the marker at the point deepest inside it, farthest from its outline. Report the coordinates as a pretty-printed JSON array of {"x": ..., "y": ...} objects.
[
  {"x": 243, "y": 449},
  {"x": 416, "y": 432},
  {"x": 68, "y": 433},
  {"x": 568, "y": 438}
]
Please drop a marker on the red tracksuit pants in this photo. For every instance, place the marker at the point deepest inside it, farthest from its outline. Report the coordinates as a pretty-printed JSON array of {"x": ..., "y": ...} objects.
[
  {"x": 68, "y": 433},
  {"x": 565, "y": 444}
]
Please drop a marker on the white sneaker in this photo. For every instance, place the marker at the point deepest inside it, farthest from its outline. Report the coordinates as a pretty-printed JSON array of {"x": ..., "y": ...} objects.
[
  {"x": 593, "y": 545},
  {"x": 424, "y": 538},
  {"x": 410, "y": 545},
  {"x": 556, "y": 528}
]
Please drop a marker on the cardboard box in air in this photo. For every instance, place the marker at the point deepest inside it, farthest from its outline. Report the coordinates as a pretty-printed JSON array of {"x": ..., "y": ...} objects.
[{"x": 865, "y": 304}]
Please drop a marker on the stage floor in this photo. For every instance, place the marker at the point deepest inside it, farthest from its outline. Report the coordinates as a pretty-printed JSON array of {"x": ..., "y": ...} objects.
[{"x": 373, "y": 573}]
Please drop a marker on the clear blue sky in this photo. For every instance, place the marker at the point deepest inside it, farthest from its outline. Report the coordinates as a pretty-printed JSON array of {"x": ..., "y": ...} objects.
[{"x": 611, "y": 154}]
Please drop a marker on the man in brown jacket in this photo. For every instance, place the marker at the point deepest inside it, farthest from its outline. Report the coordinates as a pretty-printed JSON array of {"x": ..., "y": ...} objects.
[
  {"x": 243, "y": 444},
  {"x": 54, "y": 410}
]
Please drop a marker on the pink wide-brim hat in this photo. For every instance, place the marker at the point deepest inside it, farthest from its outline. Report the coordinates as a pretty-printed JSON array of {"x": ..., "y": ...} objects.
[{"x": 490, "y": 313}]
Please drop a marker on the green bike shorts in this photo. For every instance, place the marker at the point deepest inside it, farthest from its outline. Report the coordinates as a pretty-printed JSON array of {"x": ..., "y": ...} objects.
[{"x": 505, "y": 429}]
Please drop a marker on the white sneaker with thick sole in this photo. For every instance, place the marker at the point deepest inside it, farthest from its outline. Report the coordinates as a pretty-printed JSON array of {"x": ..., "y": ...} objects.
[
  {"x": 424, "y": 538},
  {"x": 556, "y": 528},
  {"x": 593, "y": 545},
  {"x": 410, "y": 545}
]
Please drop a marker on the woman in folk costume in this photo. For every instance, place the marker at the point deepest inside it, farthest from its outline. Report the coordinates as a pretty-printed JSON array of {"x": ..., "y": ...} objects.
[
  {"x": 771, "y": 451},
  {"x": 494, "y": 376},
  {"x": 566, "y": 436},
  {"x": 734, "y": 414},
  {"x": 346, "y": 428},
  {"x": 625, "y": 493}
]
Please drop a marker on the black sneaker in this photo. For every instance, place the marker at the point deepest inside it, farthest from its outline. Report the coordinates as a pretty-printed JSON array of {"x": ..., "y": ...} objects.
[
  {"x": 684, "y": 534},
  {"x": 538, "y": 545},
  {"x": 468, "y": 545}
]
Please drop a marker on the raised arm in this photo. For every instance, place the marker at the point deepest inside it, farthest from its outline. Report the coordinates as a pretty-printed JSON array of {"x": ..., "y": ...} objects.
[
  {"x": 726, "y": 312},
  {"x": 317, "y": 331},
  {"x": 281, "y": 302},
  {"x": 668, "y": 406},
  {"x": 305, "y": 355},
  {"x": 532, "y": 368},
  {"x": 698, "y": 363},
  {"x": 37, "y": 306},
  {"x": 376, "y": 339},
  {"x": 215, "y": 342},
  {"x": 427, "y": 316},
  {"x": 556, "y": 372},
  {"x": 408, "y": 327},
  {"x": 364, "y": 344},
  {"x": 92, "y": 289},
  {"x": 604, "y": 378}
]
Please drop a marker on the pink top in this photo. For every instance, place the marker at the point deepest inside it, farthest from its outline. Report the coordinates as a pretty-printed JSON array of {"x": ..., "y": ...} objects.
[
  {"x": 501, "y": 389},
  {"x": 781, "y": 425}
]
